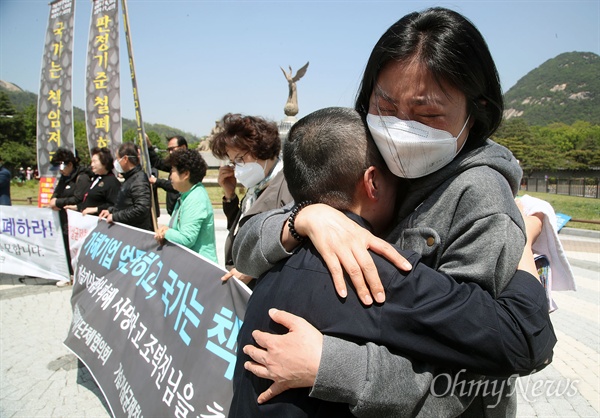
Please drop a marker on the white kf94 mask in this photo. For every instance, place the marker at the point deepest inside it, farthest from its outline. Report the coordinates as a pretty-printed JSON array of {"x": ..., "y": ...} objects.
[{"x": 412, "y": 149}]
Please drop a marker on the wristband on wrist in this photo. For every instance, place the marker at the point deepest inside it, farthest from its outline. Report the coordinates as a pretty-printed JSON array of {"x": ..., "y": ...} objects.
[{"x": 292, "y": 220}]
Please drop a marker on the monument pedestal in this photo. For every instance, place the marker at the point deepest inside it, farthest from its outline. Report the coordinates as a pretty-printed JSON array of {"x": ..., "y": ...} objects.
[{"x": 284, "y": 127}]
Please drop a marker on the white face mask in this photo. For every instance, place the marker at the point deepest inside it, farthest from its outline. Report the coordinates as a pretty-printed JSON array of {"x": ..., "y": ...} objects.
[
  {"x": 117, "y": 165},
  {"x": 250, "y": 174},
  {"x": 412, "y": 149}
]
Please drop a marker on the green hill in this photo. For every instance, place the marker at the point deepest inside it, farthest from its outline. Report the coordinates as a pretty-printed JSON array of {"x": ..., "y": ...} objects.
[{"x": 563, "y": 89}]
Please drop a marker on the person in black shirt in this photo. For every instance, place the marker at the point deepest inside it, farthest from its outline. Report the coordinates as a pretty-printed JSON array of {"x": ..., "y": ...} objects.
[
  {"x": 330, "y": 158},
  {"x": 135, "y": 197},
  {"x": 70, "y": 189},
  {"x": 104, "y": 188},
  {"x": 174, "y": 143}
]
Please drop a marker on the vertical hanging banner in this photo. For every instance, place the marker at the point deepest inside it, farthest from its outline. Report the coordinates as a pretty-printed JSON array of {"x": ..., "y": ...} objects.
[
  {"x": 102, "y": 92},
  {"x": 55, "y": 106}
]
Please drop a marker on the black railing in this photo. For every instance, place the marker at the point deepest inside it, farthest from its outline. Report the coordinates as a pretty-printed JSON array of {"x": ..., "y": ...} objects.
[{"x": 582, "y": 187}]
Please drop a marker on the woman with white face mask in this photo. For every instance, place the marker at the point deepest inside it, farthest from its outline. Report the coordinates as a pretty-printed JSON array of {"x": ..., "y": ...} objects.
[
  {"x": 70, "y": 190},
  {"x": 252, "y": 146},
  {"x": 132, "y": 206},
  {"x": 431, "y": 97}
]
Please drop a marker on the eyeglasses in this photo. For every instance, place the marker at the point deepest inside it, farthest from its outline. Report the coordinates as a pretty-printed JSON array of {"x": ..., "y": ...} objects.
[
  {"x": 239, "y": 161},
  {"x": 171, "y": 149}
]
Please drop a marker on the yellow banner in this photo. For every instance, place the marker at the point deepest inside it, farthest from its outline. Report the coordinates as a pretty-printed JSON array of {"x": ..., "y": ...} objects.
[
  {"x": 55, "y": 106},
  {"x": 103, "y": 100}
]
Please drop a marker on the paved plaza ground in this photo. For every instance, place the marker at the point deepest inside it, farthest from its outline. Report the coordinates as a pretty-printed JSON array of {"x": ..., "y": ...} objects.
[{"x": 39, "y": 377}]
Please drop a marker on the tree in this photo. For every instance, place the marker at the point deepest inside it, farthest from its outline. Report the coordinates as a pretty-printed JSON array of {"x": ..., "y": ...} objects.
[
  {"x": 81, "y": 143},
  {"x": 516, "y": 135},
  {"x": 17, "y": 134},
  {"x": 6, "y": 106},
  {"x": 551, "y": 147},
  {"x": 130, "y": 135}
]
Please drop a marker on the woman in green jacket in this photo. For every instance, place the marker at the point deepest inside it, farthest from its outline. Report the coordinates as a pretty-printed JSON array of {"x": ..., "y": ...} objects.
[{"x": 192, "y": 223}]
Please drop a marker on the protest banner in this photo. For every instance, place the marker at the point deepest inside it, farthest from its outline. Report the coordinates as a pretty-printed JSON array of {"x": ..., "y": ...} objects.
[
  {"x": 154, "y": 325},
  {"x": 31, "y": 243},
  {"x": 45, "y": 191},
  {"x": 80, "y": 226},
  {"x": 103, "y": 98},
  {"x": 55, "y": 107}
]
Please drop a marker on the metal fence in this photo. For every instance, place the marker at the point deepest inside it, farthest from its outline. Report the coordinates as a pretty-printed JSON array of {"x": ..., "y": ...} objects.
[{"x": 582, "y": 187}]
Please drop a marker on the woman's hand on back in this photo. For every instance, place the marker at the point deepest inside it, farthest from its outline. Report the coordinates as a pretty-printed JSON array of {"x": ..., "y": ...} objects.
[
  {"x": 290, "y": 360},
  {"x": 344, "y": 245}
]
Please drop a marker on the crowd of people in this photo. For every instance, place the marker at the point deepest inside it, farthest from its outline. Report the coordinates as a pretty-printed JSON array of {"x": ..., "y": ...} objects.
[
  {"x": 119, "y": 190},
  {"x": 402, "y": 206}
]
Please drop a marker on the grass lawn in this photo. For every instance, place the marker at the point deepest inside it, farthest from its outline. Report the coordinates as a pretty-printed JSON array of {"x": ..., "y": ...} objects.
[{"x": 576, "y": 207}]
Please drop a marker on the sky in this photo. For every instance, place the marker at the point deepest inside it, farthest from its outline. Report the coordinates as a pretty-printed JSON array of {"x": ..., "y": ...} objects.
[{"x": 197, "y": 60}]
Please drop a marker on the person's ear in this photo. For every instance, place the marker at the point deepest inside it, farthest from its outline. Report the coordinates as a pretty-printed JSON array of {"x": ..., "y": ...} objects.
[{"x": 371, "y": 179}]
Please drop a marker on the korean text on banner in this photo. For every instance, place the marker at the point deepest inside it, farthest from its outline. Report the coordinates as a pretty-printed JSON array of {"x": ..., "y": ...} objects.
[
  {"x": 80, "y": 226},
  {"x": 154, "y": 324},
  {"x": 31, "y": 243},
  {"x": 55, "y": 107},
  {"x": 103, "y": 100}
]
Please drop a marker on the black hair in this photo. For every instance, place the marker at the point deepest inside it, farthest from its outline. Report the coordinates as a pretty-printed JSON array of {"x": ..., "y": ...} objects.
[
  {"x": 454, "y": 51},
  {"x": 105, "y": 157},
  {"x": 130, "y": 150},
  {"x": 64, "y": 155},
  {"x": 189, "y": 160},
  {"x": 326, "y": 155},
  {"x": 181, "y": 141}
]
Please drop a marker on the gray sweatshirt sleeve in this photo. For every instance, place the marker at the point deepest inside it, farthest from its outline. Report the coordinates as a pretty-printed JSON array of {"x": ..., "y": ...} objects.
[
  {"x": 380, "y": 384},
  {"x": 257, "y": 245}
]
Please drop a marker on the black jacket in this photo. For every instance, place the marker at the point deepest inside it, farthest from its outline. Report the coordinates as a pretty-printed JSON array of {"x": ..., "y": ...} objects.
[
  {"x": 102, "y": 193},
  {"x": 427, "y": 316},
  {"x": 70, "y": 190},
  {"x": 160, "y": 164},
  {"x": 134, "y": 200}
]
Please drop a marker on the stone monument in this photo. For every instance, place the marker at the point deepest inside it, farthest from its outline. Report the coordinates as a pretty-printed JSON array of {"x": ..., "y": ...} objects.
[
  {"x": 204, "y": 147},
  {"x": 291, "y": 106}
]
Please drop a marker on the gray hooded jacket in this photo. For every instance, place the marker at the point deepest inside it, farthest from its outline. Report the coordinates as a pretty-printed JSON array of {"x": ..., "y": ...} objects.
[{"x": 465, "y": 223}]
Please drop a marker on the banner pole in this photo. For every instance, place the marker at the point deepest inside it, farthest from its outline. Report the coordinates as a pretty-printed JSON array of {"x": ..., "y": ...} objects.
[{"x": 141, "y": 134}]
